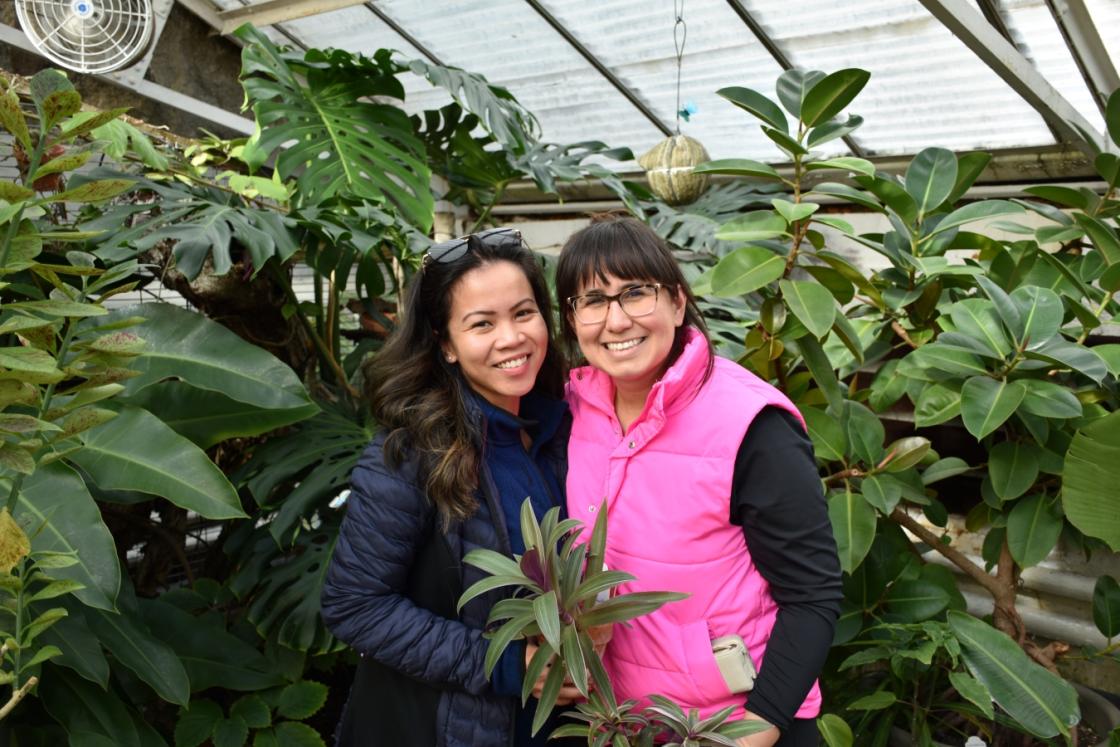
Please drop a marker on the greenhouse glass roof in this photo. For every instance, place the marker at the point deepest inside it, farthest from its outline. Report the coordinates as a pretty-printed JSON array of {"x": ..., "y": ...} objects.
[{"x": 962, "y": 74}]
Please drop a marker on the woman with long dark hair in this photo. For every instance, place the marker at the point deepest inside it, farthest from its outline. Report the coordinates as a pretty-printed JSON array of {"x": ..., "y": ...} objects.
[
  {"x": 711, "y": 489},
  {"x": 466, "y": 394}
]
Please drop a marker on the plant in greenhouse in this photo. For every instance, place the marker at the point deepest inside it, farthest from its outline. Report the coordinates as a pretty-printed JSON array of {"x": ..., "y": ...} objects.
[
  {"x": 270, "y": 718},
  {"x": 564, "y": 599},
  {"x": 80, "y": 389},
  {"x": 994, "y": 336}
]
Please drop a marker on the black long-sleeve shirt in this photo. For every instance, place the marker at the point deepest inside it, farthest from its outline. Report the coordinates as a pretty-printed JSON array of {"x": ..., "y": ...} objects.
[{"x": 776, "y": 497}]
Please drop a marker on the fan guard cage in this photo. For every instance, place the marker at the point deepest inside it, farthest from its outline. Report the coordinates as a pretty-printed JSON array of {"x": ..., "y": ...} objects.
[{"x": 88, "y": 36}]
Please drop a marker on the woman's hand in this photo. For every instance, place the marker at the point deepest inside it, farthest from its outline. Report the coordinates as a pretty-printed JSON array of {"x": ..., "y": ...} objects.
[
  {"x": 568, "y": 692},
  {"x": 601, "y": 636},
  {"x": 766, "y": 738}
]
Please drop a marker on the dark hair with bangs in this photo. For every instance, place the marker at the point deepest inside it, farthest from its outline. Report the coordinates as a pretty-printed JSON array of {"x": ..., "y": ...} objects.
[
  {"x": 629, "y": 250},
  {"x": 416, "y": 394}
]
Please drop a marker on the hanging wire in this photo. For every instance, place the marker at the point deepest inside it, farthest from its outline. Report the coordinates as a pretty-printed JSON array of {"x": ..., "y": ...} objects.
[{"x": 680, "y": 35}]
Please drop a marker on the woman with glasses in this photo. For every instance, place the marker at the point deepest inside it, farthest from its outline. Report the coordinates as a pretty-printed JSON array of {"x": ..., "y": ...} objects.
[
  {"x": 711, "y": 488},
  {"x": 466, "y": 393}
]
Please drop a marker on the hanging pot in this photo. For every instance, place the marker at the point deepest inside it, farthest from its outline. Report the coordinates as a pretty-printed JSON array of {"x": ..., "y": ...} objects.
[{"x": 669, "y": 168}]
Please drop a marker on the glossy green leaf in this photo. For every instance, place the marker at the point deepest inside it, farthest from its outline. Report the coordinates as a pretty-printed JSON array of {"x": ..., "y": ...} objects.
[
  {"x": 294, "y": 734},
  {"x": 547, "y": 616},
  {"x": 848, "y": 335},
  {"x": 1033, "y": 528},
  {"x": 81, "y": 650},
  {"x": 883, "y": 492},
  {"x": 853, "y": 524},
  {"x": 970, "y": 688},
  {"x": 792, "y": 86},
  {"x": 828, "y": 131},
  {"x": 1103, "y": 236},
  {"x": 55, "y": 498},
  {"x": 930, "y": 178},
  {"x": 811, "y": 303},
  {"x": 788, "y": 144},
  {"x": 976, "y": 211},
  {"x": 80, "y": 706},
  {"x": 196, "y": 722},
  {"x": 831, "y": 94},
  {"x": 754, "y": 226},
  {"x": 211, "y": 656},
  {"x": 1064, "y": 196},
  {"x": 865, "y": 432},
  {"x": 977, "y": 318},
  {"x": 130, "y": 642},
  {"x": 834, "y": 730},
  {"x": 1038, "y": 700},
  {"x": 969, "y": 168},
  {"x": 370, "y": 148},
  {"x": 1108, "y": 166},
  {"x": 829, "y": 441},
  {"x": 792, "y": 211},
  {"x": 1071, "y": 355},
  {"x": 1040, "y": 310},
  {"x": 917, "y": 600},
  {"x": 847, "y": 193},
  {"x": 757, "y": 105},
  {"x": 907, "y": 452},
  {"x": 876, "y": 701},
  {"x": 186, "y": 345},
  {"x": 301, "y": 700},
  {"x": 230, "y": 732},
  {"x": 746, "y": 269},
  {"x": 843, "y": 163},
  {"x": 208, "y": 417},
  {"x": 943, "y": 469},
  {"x": 1049, "y": 400},
  {"x": 824, "y": 375},
  {"x": 936, "y": 404},
  {"x": 738, "y": 167},
  {"x": 987, "y": 403},
  {"x": 1106, "y": 606},
  {"x": 887, "y": 387},
  {"x": 1089, "y": 479},
  {"x": 1112, "y": 117},
  {"x": 137, "y": 451},
  {"x": 1013, "y": 468},
  {"x": 947, "y": 358}
]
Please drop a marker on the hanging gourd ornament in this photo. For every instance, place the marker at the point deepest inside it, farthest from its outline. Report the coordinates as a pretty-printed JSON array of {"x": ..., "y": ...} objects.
[{"x": 669, "y": 166}]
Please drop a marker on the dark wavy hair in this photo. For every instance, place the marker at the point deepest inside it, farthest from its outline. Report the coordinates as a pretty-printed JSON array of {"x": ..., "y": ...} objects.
[
  {"x": 419, "y": 397},
  {"x": 630, "y": 250}
]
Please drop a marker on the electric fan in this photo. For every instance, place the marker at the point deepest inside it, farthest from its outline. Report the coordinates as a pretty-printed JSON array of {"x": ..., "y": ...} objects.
[{"x": 88, "y": 36}]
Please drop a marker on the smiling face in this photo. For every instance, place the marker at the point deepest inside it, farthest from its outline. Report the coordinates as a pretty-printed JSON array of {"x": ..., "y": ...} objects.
[
  {"x": 496, "y": 333},
  {"x": 632, "y": 351}
]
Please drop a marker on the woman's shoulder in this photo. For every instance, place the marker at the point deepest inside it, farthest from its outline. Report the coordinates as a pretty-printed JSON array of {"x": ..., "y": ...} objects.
[{"x": 376, "y": 465}]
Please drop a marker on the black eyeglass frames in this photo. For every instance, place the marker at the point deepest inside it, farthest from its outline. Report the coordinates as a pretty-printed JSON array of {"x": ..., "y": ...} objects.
[{"x": 453, "y": 249}]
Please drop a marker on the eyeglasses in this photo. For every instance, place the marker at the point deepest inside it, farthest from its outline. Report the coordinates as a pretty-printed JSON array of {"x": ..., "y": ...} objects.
[
  {"x": 635, "y": 301},
  {"x": 449, "y": 251}
]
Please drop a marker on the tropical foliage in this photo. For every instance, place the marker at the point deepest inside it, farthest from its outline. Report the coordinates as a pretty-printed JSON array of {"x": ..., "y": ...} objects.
[{"x": 169, "y": 474}]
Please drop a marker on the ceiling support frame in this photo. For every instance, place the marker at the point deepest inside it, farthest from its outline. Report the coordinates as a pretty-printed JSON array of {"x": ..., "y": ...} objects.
[
  {"x": 163, "y": 94},
  {"x": 1084, "y": 42},
  {"x": 402, "y": 33},
  {"x": 1016, "y": 70},
  {"x": 603, "y": 70},
  {"x": 780, "y": 57},
  {"x": 272, "y": 12}
]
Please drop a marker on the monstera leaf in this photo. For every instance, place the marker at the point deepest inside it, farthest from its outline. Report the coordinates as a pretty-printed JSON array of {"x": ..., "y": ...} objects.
[{"x": 345, "y": 144}]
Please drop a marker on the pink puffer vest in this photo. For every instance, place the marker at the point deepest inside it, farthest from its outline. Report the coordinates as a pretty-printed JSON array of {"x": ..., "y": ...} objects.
[{"x": 667, "y": 484}]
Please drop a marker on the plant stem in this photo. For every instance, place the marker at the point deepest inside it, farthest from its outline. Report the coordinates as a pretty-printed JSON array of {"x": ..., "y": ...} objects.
[
  {"x": 18, "y": 695},
  {"x": 48, "y": 395},
  {"x": 486, "y": 211},
  {"x": 1097, "y": 315},
  {"x": 992, "y": 585},
  {"x": 320, "y": 346}
]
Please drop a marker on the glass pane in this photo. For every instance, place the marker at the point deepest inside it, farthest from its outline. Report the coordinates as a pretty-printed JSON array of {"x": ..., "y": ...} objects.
[{"x": 926, "y": 87}]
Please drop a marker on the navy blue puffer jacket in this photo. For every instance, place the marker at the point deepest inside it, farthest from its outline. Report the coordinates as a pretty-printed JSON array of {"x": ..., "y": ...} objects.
[{"x": 390, "y": 593}]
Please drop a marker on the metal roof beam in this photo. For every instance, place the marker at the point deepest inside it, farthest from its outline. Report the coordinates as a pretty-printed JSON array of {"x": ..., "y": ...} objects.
[
  {"x": 601, "y": 68},
  {"x": 400, "y": 31},
  {"x": 205, "y": 10},
  {"x": 1009, "y": 64},
  {"x": 1089, "y": 52},
  {"x": 273, "y": 12},
  {"x": 780, "y": 57}
]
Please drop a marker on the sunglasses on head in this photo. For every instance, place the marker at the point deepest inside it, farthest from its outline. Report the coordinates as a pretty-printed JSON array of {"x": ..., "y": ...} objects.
[{"x": 449, "y": 251}]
